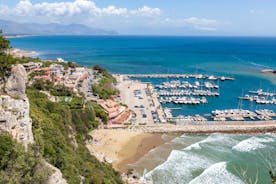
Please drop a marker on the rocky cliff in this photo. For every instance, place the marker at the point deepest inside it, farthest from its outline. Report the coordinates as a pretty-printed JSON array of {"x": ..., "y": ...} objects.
[
  {"x": 56, "y": 177},
  {"x": 14, "y": 118},
  {"x": 14, "y": 107},
  {"x": 14, "y": 114}
]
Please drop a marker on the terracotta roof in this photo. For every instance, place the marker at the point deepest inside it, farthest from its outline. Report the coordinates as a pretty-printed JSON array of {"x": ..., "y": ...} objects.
[
  {"x": 44, "y": 69},
  {"x": 84, "y": 77},
  {"x": 122, "y": 117}
]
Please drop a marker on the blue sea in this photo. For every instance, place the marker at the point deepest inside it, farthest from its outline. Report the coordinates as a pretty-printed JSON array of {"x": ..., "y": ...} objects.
[
  {"x": 214, "y": 158},
  {"x": 240, "y": 57},
  {"x": 211, "y": 159}
]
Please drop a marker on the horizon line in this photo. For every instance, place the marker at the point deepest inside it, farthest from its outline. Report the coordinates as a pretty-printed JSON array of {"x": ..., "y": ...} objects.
[{"x": 138, "y": 35}]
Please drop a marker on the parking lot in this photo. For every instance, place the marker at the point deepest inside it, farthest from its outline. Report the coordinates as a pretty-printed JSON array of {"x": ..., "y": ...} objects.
[{"x": 137, "y": 97}]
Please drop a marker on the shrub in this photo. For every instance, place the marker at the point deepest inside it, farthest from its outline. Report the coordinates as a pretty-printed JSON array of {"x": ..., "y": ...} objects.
[
  {"x": 19, "y": 166},
  {"x": 55, "y": 127}
]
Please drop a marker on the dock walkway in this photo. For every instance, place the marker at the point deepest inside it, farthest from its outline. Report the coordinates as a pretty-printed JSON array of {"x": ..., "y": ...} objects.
[
  {"x": 197, "y": 76},
  {"x": 236, "y": 127}
]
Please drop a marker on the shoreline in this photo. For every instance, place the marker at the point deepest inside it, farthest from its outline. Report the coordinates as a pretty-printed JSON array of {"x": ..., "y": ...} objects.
[
  {"x": 124, "y": 146},
  {"x": 121, "y": 147},
  {"x": 19, "y": 36},
  {"x": 146, "y": 144},
  {"x": 19, "y": 53}
]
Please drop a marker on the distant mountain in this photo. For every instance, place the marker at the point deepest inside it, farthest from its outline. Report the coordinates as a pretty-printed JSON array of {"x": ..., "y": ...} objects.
[{"x": 14, "y": 28}]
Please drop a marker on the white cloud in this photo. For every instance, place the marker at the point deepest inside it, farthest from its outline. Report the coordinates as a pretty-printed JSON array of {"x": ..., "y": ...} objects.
[
  {"x": 207, "y": 28},
  {"x": 75, "y": 8},
  {"x": 202, "y": 23},
  {"x": 146, "y": 11},
  {"x": 112, "y": 10},
  {"x": 89, "y": 13},
  {"x": 195, "y": 22}
]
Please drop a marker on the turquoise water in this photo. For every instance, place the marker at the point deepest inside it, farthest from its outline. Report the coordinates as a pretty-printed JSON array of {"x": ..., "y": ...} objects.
[
  {"x": 239, "y": 57},
  {"x": 144, "y": 54},
  {"x": 212, "y": 159},
  {"x": 215, "y": 158}
]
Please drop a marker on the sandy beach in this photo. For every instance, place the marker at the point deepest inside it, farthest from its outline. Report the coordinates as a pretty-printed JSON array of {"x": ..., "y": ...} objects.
[
  {"x": 122, "y": 146},
  {"x": 22, "y": 53},
  {"x": 125, "y": 146}
]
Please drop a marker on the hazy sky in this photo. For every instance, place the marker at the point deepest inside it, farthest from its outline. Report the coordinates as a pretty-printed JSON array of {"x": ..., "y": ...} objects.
[{"x": 166, "y": 17}]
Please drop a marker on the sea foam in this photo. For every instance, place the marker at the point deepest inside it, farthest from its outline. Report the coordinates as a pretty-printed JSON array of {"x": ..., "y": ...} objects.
[
  {"x": 252, "y": 143},
  {"x": 216, "y": 174},
  {"x": 216, "y": 138},
  {"x": 178, "y": 168}
]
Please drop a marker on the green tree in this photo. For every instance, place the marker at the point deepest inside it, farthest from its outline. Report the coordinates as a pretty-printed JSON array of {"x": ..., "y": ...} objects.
[
  {"x": 4, "y": 44},
  {"x": 6, "y": 62},
  {"x": 60, "y": 134},
  {"x": 105, "y": 88},
  {"x": 18, "y": 166}
]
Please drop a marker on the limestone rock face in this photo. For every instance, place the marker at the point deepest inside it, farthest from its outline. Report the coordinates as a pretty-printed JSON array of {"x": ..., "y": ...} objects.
[
  {"x": 56, "y": 177},
  {"x": 16, "y": 82},
  {"x": 14, "y": 118},
  {"x": 14, "y": 114}
]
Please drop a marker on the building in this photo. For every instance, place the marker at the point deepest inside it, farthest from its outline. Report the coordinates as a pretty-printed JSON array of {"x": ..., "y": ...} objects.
[
  {"x": 56, "y": 70},
  {"x": 117, "y": 114},
  {"x": 31, "y": 66}
]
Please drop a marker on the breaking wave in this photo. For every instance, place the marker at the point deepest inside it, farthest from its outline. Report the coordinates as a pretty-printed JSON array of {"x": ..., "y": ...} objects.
[
  {"x": 252, "y": 143},
  {"x": 215, "y": 138},
  {"x": 217, "y": 174},
  {"x": 178, "y": 168},
  {"x": 206, "y": 161}
]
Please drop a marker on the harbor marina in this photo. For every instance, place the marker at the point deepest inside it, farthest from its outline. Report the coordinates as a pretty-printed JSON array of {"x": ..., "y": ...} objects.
[
  {"x": 174, "y": 96},
  {"x": 260, "y": 97}
]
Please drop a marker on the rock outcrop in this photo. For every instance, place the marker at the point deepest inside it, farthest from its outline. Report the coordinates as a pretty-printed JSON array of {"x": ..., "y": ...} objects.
[
  {"x": 14, "y": 114},
  {"x": 14, "y": 118},
  {"x": 56, "y": 177},
  {"x": 16, "y": 82}
]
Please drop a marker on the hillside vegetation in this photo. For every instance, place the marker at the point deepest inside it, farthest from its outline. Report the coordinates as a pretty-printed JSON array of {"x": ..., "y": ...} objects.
[
  {"x": 105, "y": 87},
  {"x": 59, "y": 129},
  {"x": 18, "y": 166},
  {"x": 60, "y": 134}
]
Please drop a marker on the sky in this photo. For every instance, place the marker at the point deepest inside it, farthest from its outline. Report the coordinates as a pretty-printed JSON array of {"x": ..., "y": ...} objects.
[{"x": 152, "y": 17}]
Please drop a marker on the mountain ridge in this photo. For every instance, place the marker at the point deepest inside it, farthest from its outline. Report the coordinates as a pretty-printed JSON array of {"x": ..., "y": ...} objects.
[{"x": 15, "y": 28}]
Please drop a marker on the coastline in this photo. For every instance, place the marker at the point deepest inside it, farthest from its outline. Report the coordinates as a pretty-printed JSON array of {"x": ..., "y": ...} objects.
[
  {"x": 19, "y": 53},
  {"x": 18, "y": 36},
  {"x": 137, "y": 148},
  {"x": 121, "y": 147},
  {"x": 126, "y": 146}
]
